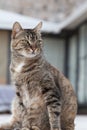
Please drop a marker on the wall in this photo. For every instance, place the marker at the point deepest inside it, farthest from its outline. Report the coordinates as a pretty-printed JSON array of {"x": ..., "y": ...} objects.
[
  {"x": 4, "y": 38},
  {"x": 54, "y": 49}
]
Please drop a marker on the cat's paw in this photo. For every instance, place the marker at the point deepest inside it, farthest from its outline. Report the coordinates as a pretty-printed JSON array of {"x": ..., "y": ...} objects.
[
  {"x": 35, "y": 128},
  {"x": 25, "y": 129},
  {"x": 32, "y": 128},
  {"x": 16, "y": 129}
]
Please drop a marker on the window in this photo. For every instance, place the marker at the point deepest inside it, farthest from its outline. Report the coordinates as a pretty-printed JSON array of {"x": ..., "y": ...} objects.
[
  {"x": 82, "y": 93},
  {"x": 72, "y": 65},
  {"x": 77, "y": 64},
  {"x": 54, "y": 50}
]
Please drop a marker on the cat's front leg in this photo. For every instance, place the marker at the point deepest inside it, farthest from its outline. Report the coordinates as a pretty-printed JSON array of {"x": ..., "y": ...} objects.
[
  {"x": 53, "y": 101},
  {"x": 54, "y": 109},
  {"x": 32, "y": 128},
  {"x": 54, "y": 118}
]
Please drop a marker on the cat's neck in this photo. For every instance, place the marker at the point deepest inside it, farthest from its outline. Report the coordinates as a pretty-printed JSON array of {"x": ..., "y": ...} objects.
[{"x": 24, "y": 65}]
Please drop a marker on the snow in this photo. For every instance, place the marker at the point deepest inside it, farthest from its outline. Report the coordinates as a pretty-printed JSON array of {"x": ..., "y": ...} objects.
[{"x": 80, "y": 121}]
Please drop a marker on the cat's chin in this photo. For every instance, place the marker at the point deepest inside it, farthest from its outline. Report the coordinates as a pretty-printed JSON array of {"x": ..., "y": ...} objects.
[{"x": 29, "y": 55}]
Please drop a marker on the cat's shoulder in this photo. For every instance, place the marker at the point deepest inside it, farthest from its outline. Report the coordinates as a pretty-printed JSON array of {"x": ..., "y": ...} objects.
[{"x": 58, "y": 75}]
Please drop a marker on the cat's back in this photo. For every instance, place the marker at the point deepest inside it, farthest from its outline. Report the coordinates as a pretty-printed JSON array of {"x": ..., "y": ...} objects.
[
  {"x": 61, "y": 81},
  {"x": 68, "y": 96}
]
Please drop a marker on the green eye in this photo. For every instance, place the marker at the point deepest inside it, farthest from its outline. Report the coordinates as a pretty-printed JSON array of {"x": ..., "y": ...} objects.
[
  {"x": 28, "y": 44},
  {"x": 22, "y": 40}
]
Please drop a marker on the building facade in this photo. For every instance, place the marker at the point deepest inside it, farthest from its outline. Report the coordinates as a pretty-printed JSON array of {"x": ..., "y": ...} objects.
[
  {"x": 64, "y": 47},
  {"x": 66, "y": 51}
]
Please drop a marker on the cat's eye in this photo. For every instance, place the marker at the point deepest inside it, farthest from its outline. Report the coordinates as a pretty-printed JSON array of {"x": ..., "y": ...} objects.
[
  {"x": 23, "y": 40},
  {"x": 37, "y": 49},
  {"x": 28, "y": 44}
]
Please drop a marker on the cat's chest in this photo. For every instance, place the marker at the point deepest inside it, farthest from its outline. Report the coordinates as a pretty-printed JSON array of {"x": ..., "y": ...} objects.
[
  {"x": 31, "y": 99},
  {"x": 18, "y": 68}
]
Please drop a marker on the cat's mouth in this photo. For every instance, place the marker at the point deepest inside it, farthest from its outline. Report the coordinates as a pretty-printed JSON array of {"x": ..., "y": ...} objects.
[{"x": 29, "y": 55}]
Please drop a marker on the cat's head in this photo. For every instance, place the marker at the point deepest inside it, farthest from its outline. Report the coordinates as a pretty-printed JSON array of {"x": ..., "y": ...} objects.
[{"x": 26, "y": 42}]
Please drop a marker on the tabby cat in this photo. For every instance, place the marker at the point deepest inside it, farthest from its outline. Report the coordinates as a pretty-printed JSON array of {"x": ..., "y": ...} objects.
[{"x": 44, "y": 98}]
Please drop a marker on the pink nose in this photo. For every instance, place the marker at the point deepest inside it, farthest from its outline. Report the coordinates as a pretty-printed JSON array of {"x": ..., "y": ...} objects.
[{"x": 33, "y": 49}]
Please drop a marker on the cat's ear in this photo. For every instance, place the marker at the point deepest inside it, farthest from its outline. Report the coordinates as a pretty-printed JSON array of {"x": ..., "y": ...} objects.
[
  {"x": 16, "y": 28},
  {"x": 38, "y": 27}
]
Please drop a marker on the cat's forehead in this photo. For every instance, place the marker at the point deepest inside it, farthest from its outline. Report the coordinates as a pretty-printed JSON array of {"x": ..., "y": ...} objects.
[
  {"x": 29, "y": 32},
  {"x": 26, "y": 33}
]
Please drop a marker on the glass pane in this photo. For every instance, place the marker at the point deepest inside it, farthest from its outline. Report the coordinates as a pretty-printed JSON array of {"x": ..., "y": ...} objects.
[
  {"x": 83, "y": 66},
  {"x": 72, "y": 61}
]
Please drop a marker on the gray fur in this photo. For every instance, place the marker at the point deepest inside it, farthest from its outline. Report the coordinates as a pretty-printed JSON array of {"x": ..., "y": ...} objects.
[{"x": 44, "y": 99}]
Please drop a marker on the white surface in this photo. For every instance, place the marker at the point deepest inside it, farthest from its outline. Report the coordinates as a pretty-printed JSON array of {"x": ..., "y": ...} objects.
[
  {"x": 80, "y": 122},
  {"x": 6, "y": 96}
]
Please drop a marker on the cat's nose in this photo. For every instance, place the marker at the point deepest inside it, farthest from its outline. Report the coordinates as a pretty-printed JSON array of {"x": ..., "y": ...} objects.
[{"x": 34, "y": 49}]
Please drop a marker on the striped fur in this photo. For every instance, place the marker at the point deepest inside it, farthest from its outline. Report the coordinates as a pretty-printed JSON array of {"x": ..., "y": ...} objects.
[{"x": 44, "y": 99}]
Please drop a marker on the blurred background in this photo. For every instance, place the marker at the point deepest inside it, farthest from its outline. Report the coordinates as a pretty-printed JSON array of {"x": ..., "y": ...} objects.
[{"x": 64, "y": 34}]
